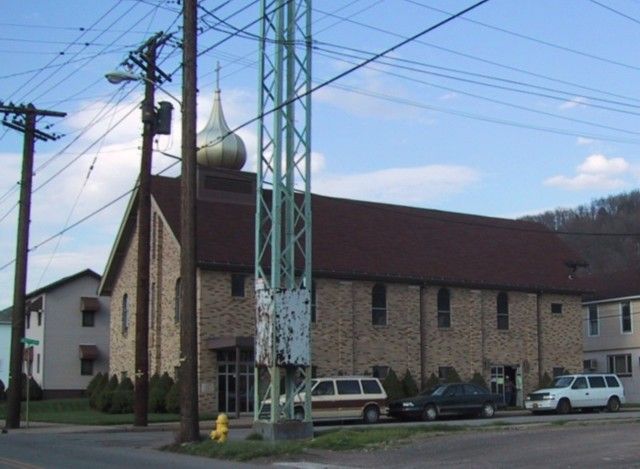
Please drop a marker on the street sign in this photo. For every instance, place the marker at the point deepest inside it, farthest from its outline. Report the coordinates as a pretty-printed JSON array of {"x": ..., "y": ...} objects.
[{"x": 27, "y": 341}]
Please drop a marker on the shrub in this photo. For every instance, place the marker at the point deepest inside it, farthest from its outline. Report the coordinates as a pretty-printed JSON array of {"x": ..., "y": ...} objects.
[
  {"x": 393, "y": 386},
  {"x": 122, "y": 399},
  {"x": 105, "y": 398},
  {"x": 409, "y": 386},
  {"x": 97, "y": 390},
  {"x": 479, "y": 380},
  {"x": 546, "y": 380},
  {"x": 3, "y": 394},
  {"x": 93, "y": 383},
  {"x": 35, "y": 391},
  {"x": 432, "y": 382},
  {"x": 158, "y": 389},
  {"x": 452, "y": 376},
  {"x": 172, "y": 403}
]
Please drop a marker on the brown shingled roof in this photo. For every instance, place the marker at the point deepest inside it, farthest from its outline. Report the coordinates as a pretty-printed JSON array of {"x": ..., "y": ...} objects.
[
  {"x": 356, "y": 239},
  {"x": 619, "y": 284}
]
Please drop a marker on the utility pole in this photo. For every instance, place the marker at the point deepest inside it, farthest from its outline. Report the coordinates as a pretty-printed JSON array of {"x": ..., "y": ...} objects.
[
  {"x": 189, "y": 422},
  {"x": 153, "y": 123},
  {"x": 24, "y": 121},
  {"x": 283, "y": 223}
]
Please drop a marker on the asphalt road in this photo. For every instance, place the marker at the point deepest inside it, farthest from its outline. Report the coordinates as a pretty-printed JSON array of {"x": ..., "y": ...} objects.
[{"x": 589, "y": 440}]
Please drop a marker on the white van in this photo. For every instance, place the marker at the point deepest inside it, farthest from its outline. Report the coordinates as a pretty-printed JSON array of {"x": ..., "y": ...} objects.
[
  {"x": 345, "y": 398},
  {"x": 579, "y": 391}
]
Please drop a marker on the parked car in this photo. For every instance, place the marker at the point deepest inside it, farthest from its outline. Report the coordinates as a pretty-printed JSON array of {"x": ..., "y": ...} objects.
[
  {"x": 579, "y": 391},
  {"x": 342, "y": 398},
  {"x": 446, "y": 399}
]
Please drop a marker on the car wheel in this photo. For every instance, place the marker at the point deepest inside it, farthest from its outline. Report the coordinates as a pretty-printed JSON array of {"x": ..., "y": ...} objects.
[
  {"x": 488, "y": 410},
  {"x": 430, "y": 413},
  {"x": 564, "y": 406},
  {"x": 371, "y": 414},
  {"x": 613, "y": 405},
  {"x": 298, "y": 414}
]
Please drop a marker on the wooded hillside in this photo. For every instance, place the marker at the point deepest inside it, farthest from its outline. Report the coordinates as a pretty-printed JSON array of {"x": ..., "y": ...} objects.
[{"x": 614, "y": 215}]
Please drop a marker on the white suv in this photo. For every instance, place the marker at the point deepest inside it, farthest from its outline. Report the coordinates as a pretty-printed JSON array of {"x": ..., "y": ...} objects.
[{"x": 578, "y": 391}]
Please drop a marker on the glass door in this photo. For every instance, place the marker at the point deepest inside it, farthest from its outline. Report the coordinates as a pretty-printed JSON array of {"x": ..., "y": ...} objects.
[
  {"x": 232, "y": 373},
  {"x": 497, "y": 381}
]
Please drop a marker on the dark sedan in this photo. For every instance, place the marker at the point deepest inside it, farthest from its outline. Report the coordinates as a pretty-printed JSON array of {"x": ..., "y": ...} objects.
[{"x": 446, "y": 399}]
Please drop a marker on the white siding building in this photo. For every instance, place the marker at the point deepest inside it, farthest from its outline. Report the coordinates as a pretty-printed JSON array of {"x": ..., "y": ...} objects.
[
  {"x": 612, "y": 329},
  {"x": 71, "y": 324}
]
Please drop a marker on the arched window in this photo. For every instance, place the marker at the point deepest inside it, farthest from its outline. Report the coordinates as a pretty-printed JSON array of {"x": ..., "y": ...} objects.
[
  {"x": 503, "y": 310},
  {"x": 444, "y": 308},
  {"x": 178, "y": 301},
  {"x": 125, "y": 313},
  {"x": 379, "y": 305}
]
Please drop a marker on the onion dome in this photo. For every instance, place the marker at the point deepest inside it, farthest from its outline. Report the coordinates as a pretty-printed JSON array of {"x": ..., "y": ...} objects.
[{"x": 218, "y": 147}]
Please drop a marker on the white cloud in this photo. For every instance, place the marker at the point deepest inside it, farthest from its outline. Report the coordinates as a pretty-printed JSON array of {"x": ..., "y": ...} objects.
[
  {"x": 600, "y": 165},
  {"x": 585, "y": 141},
  {"x": 578, "y": 101},
  {"x": 596, "y": 172},
  {"x": 416, "y": 185}
]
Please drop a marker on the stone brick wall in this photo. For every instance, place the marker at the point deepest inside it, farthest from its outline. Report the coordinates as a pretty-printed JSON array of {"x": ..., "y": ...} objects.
[
  {"x": 122, "y": 346},
  {"x": 561, "y": 334},
  {"x": 344, "y": 341}
]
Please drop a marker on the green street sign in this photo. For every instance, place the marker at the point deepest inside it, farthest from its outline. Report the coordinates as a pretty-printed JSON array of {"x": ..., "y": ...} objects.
[{"x": 27, "y": 341}]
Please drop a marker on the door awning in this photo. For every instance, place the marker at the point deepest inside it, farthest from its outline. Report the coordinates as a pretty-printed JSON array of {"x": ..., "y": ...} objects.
[{"x": 88, "y": 352}]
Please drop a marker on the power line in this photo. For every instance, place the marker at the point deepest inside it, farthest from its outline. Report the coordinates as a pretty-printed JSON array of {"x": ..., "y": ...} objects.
[
  {"x": 85, "y": 218},
  {"x": 482, "y": 60},
  {"x": 485, "y": 98},
  {"x": 351, "y": 69},
  {"x": 532, "y": 39},
  {"x": 617, "y": 12}
]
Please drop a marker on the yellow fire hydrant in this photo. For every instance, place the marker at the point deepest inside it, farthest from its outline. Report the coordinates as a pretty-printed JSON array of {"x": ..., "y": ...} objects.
[{"x": 222, "y": 429}]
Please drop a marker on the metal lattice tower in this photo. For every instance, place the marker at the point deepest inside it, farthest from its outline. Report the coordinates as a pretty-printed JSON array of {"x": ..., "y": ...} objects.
[{"x": 283, "y": 213}]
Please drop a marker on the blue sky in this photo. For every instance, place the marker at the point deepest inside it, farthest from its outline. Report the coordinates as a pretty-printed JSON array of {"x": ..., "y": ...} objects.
[{"x": 517, "y": 108}]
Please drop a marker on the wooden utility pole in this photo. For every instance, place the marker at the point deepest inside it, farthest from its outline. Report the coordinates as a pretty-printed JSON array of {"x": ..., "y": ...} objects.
[
  {"x": 153, "y": 123},
  {"x": 141, "y": 388},
  {"x": 28, "y": 126},
  {"x": 189, "y": 424}
]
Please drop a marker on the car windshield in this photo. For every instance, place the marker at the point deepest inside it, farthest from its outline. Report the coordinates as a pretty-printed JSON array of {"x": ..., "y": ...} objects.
[
  {"x": 437, "y": 391},
  {"x": 562, "y": 382}
]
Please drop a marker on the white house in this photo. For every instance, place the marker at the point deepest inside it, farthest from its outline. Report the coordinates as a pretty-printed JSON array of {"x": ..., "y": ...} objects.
[
  {"x": 612, "y": 329},
  {"x": 5, "y": 344},
  {"x": 71, "y": 324}
]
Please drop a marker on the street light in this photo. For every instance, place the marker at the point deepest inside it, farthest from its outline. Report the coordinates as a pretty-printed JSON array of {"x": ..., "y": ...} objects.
[{"x": 118, "y": 76}]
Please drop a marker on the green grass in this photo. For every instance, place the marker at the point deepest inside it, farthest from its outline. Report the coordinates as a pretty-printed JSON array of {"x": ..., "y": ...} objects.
[
  {"x": 335, "y": 440},
  {"x": 78, "y": 412}
]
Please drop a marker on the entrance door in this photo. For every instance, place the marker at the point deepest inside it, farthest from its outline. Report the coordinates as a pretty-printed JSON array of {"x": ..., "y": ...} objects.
[
  {"x": 497, "y": 381},
  {"x": 235, "y": 380}
]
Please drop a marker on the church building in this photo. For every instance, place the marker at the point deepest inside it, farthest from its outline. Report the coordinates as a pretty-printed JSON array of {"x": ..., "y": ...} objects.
[{"x": 394, "y": 287}]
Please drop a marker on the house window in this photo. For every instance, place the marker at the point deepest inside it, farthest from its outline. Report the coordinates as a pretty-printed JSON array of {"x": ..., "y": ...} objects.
[
  {"x": 594, "y": 322},
  {"x": 620, "y": 364},
  {"x": 444, "y": 308},
  {"x": 39, "y": 318},
  {"x": 379, "y": 305},
  {"x": 178, "y": 301},
  {"x": 444, "y": 372},
  {"x": 125, "y": 313},
  {"x": 86, "y": 367},
  {"x": 88, "y": 318},
  {"x": 38, "y": 363},
  {"x": 625, "y": 318},
  {"x": 380, "y": 371},
  {"x": 28, "y": 319},
  {"x": 556, "y": 308},
  {"x": 313, "y": 301},
  {"x": 503, "y": 311},
  {"x": 237, "y": 285}
]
